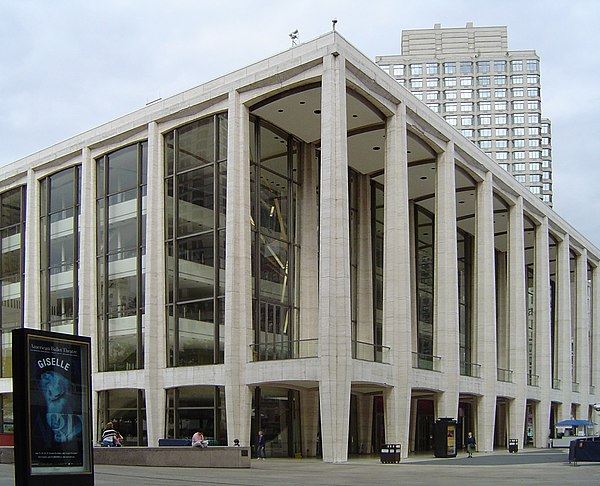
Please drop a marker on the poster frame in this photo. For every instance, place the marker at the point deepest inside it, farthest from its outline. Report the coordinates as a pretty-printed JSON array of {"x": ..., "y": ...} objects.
[{"x": 69, "y": 455}]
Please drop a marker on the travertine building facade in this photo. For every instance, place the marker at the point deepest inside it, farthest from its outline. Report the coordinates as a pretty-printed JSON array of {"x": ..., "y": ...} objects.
[{"x": 301, "y": 247}]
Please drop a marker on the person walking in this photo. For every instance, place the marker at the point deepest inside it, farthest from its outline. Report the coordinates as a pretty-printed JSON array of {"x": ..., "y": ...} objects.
[
  {"x": 260, "y": 446},
  {"x": 470, "y": 444}
]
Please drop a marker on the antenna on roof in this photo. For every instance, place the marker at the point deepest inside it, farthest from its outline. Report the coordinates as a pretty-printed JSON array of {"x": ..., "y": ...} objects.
[
  {"x": 294, "y": 36},
  {"x": 334, "y": 21}
]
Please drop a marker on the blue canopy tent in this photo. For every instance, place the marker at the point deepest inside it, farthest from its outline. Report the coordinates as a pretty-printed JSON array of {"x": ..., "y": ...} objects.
[
  {"x": 575, "y": 423},
  {"x": 571, "y": 429}
]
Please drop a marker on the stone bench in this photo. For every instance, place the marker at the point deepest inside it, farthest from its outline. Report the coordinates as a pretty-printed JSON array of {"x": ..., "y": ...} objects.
[
  {"x": 168, "y": 456},
  {"x": 174, "y": 456}
]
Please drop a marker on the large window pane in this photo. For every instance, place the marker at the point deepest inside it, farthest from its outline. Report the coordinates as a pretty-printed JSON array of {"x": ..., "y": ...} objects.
[
  {"x": 196, "y": 267},
  {"x": 195, "y": 188},
  {"x": 196, "y": 144},
  {"x": 196, "y": 333},
  {"x": 195, "y": 201},
  {"x": 12, "y": 229},
  {"x": 274, "y": 204},
  {"x": 121, "y": 211},
  {"x": 122, "y": 169}
]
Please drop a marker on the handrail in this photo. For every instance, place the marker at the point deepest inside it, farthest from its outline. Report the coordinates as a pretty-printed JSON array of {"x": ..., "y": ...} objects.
[
  {"x": 426, "y": 361},
  {"x": 505, "y": 375},
  {"x": 290, "y": 349},
  {"x": 370, "y": 352},
  {"x": 470, "y": 369}
]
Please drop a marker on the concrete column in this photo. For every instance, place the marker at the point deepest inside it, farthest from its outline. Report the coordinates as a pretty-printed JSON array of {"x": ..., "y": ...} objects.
[
  {"x": 88, "y": 315},
  {"x": 238, "y": 283},
  {"x": 364, "y": 280},
  {"x": 308, "y": 270},
  {"x": 517, "y": 319},
  {"x": 542, "y": 332},
  {"x": 309, "y": 414},
  {"x": 397, "y": 316},
  {"x": 32, "y": 311},
  {"x": 334, "y": 264},
  {"x": 485, "y": 312},
  {"x": 563, "y": 325},
  {"x": 445, "y": 324},
  {"x": 583, "y": 332},
  {"x": 154, "y": 317}
]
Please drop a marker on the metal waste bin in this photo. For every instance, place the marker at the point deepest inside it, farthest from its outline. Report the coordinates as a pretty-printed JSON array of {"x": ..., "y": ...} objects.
[
  {"x": 390, "y": 454},
  {"x": 513, "y": 445}
]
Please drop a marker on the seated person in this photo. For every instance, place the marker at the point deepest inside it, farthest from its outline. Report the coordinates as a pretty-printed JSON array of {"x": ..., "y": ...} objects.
[
  {"x": 198, "y": 440},
  {"x": 110, "y": 437}
]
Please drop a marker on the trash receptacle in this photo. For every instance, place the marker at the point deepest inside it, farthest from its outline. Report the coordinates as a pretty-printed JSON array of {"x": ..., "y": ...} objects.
[
  {"x": 390, "y": 454},
  {"x": 513, "y": 445}
]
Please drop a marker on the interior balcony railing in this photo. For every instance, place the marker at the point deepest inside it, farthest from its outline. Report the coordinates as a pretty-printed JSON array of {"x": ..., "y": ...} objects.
[
  {"x": 575, "y": 387},
  {"x": 533, "y": 380},
  {"x": 292, "y": 349},
  {"x": 505, "y": 375},
  {"x": 426, "y": 362},
  {"x": 470, "y": 369},
  {"x": 555, "y": 384},
  {"x": 370, "y": 352}
]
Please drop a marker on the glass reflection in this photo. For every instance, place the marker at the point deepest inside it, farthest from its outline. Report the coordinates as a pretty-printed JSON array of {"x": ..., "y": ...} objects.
[
  {"x": 12, "y": 256},
  {"x": 195, "y": 189},
  {"x": 121, "y": 245},
  {"x": 274, "y": 240}
]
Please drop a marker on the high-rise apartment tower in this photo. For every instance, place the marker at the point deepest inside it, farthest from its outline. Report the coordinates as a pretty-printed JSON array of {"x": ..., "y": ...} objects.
[{"x": 490, "y": 94}]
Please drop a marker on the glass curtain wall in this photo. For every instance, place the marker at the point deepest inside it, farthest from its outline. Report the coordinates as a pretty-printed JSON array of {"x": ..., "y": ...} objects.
[
  {"x": 354, "y": 222},
  {"x": 12, "y": 251},
  {"x": 126, "y": 409},
  {"x": 60, "y": 211},
  {"x": 531, "y": 342},
  {"x": 554, "y": 336},
  {"x": 195, "y": 191},
  {"x": 197, "y": 408},
  {"x": 274, "y": 181},
  {"x": 276, "y": 411},
  {"x": 377, "y": 232},
  {"x": 424, "y": 251},
  {"x": 465, "y": 259},
  {"x": 121, "y": 244}
]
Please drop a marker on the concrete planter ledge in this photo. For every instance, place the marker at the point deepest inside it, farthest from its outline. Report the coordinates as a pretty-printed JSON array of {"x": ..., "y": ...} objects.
[
  {"x": 215, "y": 456},
  {"x": 225, "y": 457}
]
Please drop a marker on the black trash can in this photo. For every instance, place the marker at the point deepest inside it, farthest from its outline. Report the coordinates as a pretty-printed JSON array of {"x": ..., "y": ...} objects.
[
  {"x": 513, "y": 445},
  {"x": 390, "y": 454}
]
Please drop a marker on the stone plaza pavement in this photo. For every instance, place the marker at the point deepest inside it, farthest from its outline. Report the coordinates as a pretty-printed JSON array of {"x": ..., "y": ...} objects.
[{"x": 534, "y": 467}]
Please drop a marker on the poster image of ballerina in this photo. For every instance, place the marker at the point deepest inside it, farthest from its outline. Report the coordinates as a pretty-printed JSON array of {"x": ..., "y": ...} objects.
[{"x": 58, "y": 397}]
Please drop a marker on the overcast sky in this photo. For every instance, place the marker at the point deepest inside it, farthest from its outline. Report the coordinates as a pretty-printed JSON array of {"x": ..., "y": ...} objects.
[{"x": 68, "y": 66}]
